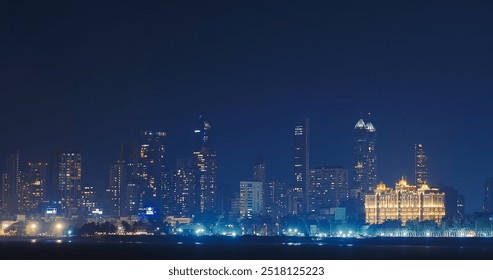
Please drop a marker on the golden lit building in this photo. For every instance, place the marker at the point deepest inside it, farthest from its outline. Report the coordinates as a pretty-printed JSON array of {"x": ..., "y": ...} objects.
[{"x": 405, "y": 203}]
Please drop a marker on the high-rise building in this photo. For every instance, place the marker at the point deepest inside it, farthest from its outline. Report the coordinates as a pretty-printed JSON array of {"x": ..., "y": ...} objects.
[
  {"x": 185, "y": 180},
  {"x": 328, "y": 188},
  {"x": 461, "y": 207},
  {"x": 251, "y": 198},
  {"x": 301, "y": 190},
  {"x": 404, "y": 203},
  {"x": 259, "y": 170},
  {"x": 32, "y": 188},
  {"x": 88, "y": 199},
  {"x": 12, "y": 183},
  {"x": 205, "y": 158},
  {"x": 451, "y": 199},
  {"x": 488, "y": 195},
  {"x": 118, "y": 183},
  {"x": 364, "y": 157},
  {"x": 129, "y": 183},
  {"x": 69, "y": 182},
  {"x": 5, "y": 188},
  {"x": 421, "y": 171},
  {"x": 151, "y": 171},
  {"x": 276, "y": 198}
]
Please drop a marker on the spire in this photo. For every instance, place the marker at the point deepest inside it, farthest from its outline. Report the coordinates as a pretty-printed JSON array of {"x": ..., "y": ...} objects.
[
  {"x": 360, "y": 124},
  {"x": 369, "y": 126}
]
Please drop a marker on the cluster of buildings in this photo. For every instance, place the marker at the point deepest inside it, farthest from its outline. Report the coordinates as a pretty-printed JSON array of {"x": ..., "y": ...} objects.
[{"x": 141, "y": 185}]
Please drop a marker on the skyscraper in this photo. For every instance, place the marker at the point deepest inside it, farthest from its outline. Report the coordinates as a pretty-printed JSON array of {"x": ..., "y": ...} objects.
[
  {"x": 301, "y": 190},
  {"x": 488, "y": 195},
  {"x": 421, "y": 172},
  {"x": 129, "y": 189},
  {"x": 118, "y": 183},
  {"x": 205, "y": 158},
  {"x": 12, "y": 184},
  {"x": 364, "y": 157},
  {"x": 88, "y": 199},
  {"x": 185, "y": 187},
  {"x": 151, "y": 171},
  {"x": 328, "y": 188},
  {"x": 37, "y": 178},
  {"x": 276, "y": 198},
  {"x": 259, "y": 170},
  {"x": 69, "y": 180}
]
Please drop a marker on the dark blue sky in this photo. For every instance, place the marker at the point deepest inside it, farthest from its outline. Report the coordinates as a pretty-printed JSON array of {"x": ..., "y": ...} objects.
[{"x": 90, "y": 75}]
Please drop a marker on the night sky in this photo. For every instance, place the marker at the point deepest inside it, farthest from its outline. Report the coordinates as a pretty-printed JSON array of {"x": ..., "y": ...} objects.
[{"x": 90, "y": 75}]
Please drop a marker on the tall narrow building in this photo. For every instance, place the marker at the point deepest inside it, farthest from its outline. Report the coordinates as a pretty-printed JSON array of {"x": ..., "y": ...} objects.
[
  {"x": 12, "y": 184},
  {"x": 37, "y": 174},
  {"x": 69, "y": 180},
  {"x": 420, "y": 169},
  {"x": 275, "y": 199},
  {"x": 301, "y": 190},
  {"x": 185, "y": 181},
  {"x": 259, "y": 170},
  {"x": 364, "y": 157},
  {"x": 151, "y": 170},
  {"x": 118, "y": 183},
  {"x": 371, "y": 167},
  {"x": 205, "y": 157},
  {"x": 488, "y": 195}
]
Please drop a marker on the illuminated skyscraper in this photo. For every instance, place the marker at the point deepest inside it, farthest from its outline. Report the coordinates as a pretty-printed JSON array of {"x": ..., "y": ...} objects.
[
  {"x": 37, "y": 180},
  {"x": 118, "y": 183},
  {"x": 328, "y": 188},
  {"x": 151, "y": 171},
  {"x": 300, "y": 192},
  {"x": 276, "y": 198},
  {"x": 421, "y": 172},
  {"x": 364, "y": 157},
  {"x": 69, "y": 179},
  {"x": 185, "y": 180},
  {"x": 88, "y": 199},
  {"x": 371, "y": 167},
  {"x": 205, "y": 158},
  {"x": 12, "y": 184}
]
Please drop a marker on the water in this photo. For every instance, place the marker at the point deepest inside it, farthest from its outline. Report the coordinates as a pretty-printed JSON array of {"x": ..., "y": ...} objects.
[{"x": 248, "y": 248}]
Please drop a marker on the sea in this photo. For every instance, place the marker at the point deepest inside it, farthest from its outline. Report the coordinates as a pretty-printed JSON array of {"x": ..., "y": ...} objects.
[{"x": 243, "y": 248}]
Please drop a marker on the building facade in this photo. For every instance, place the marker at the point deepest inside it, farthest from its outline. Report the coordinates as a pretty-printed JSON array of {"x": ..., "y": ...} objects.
[
  {"x": 488, "y": 195},
  {"x": 300, "y": 193},
  {"x": 276, "y": 198},
  {"x": 69, "y": 180},
  {"x": 364, "y": 157},
  {"x": 150, "y": 170},
  {"x": 185, "y": 180},
  {"x": 205, "y": 158},
  {"x": 404, "y": 203},
  {"x": 113, "y": 194},
  {"x": 328, "y": 188},
  {"x": 251, "y": 198},
  {"x": 421, "y": 170}
]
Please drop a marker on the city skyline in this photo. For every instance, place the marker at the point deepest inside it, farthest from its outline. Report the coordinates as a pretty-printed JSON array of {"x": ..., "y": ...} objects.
[
  {"x": 421, "y": 69},
  {"x": 141, "y": 178}
]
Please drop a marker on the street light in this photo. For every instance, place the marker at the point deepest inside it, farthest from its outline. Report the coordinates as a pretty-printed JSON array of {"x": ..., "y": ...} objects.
[
  {"x": 58, "y": 228},
  {"x": 32, "y": 228}
]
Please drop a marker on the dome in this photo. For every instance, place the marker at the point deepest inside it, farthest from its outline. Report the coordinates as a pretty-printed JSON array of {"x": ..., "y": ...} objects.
[{"x": 360, "y": 124}]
